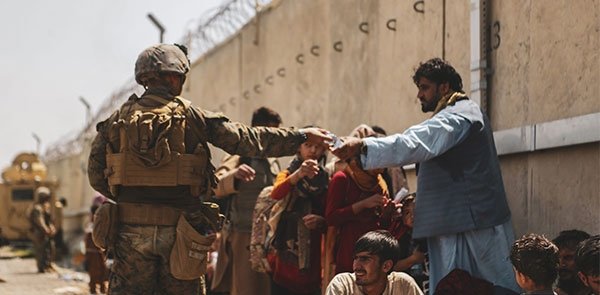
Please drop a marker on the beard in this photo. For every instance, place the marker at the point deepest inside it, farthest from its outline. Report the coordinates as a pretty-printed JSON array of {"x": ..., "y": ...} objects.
[
  {"x": 360, "y": 280},
  {"x": 569, "y": 282},
  {"x": 430, "y": 105}
]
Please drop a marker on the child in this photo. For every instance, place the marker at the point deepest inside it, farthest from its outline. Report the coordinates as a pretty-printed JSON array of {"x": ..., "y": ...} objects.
[
  {"x": 95, "y": 257},
  {"x": 535, "y": 262},
  {"x": 412, "y": 252},
  {"x": 297, "y": 262}
]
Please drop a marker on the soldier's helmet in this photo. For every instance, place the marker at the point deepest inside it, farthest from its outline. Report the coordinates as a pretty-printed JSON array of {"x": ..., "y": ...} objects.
[
  {"x": 161, "y": 58},
  {"x": 43, "y": 193}
]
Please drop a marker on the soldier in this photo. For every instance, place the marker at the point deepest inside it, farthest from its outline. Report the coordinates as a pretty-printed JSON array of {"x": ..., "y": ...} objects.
[
  {"x": 152, "y": 158},
  {"x": 42, "y": 230}
]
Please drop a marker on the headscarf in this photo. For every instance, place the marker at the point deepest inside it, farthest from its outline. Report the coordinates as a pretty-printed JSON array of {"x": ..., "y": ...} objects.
[
  {"x": 309, "y": 187},
  {"x": 367, "y": 180},
  {"x": 449, "y": 99}
]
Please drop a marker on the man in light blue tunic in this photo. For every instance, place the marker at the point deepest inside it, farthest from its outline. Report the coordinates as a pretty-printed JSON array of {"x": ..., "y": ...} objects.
[{"x": 461, "y": 208}]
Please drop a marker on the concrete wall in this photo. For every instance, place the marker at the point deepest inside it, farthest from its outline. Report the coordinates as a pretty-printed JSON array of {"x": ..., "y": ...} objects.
[
  {"x": 71, "y": 172},
  {"x": 544, "y": 69},
  {"x": 543, "y": 66}
]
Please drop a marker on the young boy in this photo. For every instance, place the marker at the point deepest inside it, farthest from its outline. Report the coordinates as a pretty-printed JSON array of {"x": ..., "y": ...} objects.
[
  {"x": 587, "y": 262},
  {"x": 375, "y": 253},
  {"x": 535, "y": 262}
]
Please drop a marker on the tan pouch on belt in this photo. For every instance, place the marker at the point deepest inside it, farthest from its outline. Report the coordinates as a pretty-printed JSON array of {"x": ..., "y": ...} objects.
[{"x": 189, "y": 254}]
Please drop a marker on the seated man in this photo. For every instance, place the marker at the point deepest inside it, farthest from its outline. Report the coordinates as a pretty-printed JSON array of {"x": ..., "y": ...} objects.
[
  {"x": 535, "y": 262},
  {"x": 568, "y": 282},
  {"x": 587, "y": 262},
  {"x": 375, "y": 254}
]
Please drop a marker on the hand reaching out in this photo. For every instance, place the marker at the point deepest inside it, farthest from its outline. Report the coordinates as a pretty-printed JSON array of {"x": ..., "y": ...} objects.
[
  {"x": 245, "y": 173},
  {"x": 309, "y": 168}
]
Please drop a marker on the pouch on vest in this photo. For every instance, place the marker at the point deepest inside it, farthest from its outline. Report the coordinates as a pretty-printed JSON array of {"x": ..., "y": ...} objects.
[
  {"x": 147, "y": 147},
  {"x": 189, "y": 255}
]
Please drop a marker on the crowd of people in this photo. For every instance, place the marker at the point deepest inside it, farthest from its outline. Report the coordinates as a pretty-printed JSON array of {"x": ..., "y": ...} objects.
[
  {"x": 372, "y": 245},
  {"x": 346, "y": 225}
]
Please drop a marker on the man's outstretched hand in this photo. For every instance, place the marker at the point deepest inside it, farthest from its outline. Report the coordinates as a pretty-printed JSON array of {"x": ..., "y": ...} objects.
[{"x": 350, "y": 149}]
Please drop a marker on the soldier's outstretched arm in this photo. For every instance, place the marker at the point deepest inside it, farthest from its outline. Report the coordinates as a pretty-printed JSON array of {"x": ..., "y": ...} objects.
[{"x": 237, "y": 138}]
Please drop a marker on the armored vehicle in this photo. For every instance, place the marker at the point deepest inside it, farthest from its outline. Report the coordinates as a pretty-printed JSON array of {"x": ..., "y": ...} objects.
[{"x": 17, "y": 196}]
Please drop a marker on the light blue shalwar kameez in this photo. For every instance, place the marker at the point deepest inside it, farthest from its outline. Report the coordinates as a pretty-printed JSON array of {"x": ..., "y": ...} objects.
[{"x": 468, "y": 239}]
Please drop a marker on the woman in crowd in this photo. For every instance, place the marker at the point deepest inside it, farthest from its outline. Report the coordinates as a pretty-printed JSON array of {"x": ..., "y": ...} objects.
[
  {"x": 357, "y": 202},
  {"x": 296, "y": 263}
]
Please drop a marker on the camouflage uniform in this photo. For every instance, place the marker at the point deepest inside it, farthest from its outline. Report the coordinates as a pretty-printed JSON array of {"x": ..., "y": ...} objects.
[
  {"x": 42, "y": 230},
  {"x": 141, "y": 261}
]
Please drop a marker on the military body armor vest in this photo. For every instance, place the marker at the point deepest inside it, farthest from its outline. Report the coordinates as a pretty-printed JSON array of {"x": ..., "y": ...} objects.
[{"x": 147, "y": 147}]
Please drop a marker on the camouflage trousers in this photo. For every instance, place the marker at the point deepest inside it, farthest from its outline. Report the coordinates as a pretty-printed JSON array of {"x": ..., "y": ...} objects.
[
  {"x": 141, "y": 263},
  {"x": 43, "y": 249}
]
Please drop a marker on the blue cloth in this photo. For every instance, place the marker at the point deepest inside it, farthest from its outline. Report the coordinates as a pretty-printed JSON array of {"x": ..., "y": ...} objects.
[
  {"x": 483, "y": 253},
  {"x": 459, "y": 183},
  {"x": 420, "y": 142}
]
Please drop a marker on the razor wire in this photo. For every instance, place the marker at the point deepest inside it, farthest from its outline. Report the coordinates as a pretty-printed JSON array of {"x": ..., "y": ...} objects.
[
  {"x": 204, "y": 34},
  {"x": 217, "y": 25}
]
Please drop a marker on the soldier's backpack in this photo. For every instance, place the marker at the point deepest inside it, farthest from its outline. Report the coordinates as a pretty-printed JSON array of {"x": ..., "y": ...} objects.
[{"x": 147, "y": 147}]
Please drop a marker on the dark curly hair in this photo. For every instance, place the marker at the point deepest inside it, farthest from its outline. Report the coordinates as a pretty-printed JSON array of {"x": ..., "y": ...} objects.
[
  {"x": 380, "y": 243},
  {"x": 587, "y": 256},
  {"x": 570, "y": 239},
  {"x": 439, "y": 71},
  {"x": 264, "y": 116},
  {"x": 537, "y": 258}
]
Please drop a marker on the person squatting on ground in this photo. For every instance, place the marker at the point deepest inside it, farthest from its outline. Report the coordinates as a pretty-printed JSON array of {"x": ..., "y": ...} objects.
[
  {"x": 462, "y": 208},
  {"x": 151, "y": 157},
  {"x": 42, "y": 230},
  {"x": 296, "y": 262},
  {"x": 535, "y": 263},
  {"x": 241, "y": 179},
  {"x": 587, "y": 263},
  {"x": 375, "y": 254},
  {"x": 568, "y": 281}
]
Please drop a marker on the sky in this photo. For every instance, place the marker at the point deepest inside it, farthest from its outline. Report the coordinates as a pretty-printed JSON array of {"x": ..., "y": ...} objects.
[{"x": 53, "y": 52}]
